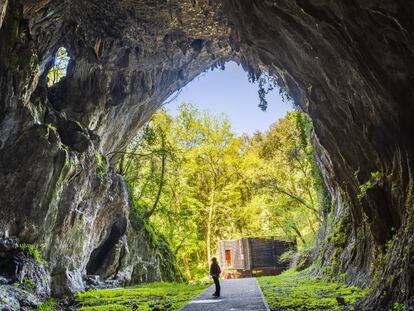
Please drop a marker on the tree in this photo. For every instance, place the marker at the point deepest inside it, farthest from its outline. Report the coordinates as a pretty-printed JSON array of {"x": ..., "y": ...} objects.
[
  {"x": 285, "y": 176},
  {"x": 197, "y": 182},
  {"x": 60, "y": 61}
]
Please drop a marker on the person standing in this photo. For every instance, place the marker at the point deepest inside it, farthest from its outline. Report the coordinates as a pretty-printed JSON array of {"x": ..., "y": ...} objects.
[{"x": 215, "y": 274}]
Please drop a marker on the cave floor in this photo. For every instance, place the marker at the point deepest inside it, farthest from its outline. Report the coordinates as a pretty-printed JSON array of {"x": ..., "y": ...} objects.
[{"x": 236, "y": 294}]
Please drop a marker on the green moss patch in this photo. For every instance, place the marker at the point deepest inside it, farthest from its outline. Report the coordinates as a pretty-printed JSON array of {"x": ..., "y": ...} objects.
[
  {"x": 145, "y": 297},
  {"x": 293, "y": 290},
  {"x": 102, "y": 166},
  {"x": 49, "y": 305},
  {"x": 33, "y": 251}
]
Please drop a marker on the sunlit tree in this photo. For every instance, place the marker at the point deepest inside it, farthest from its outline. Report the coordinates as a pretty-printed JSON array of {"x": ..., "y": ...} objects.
[
  {"x": 60, "y": 61},
  {"x": 197, "y": 182}
]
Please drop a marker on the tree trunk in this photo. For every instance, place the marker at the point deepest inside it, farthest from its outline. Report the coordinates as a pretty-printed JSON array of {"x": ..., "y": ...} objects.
[
  {"x": 311, "y": 225},
  {"x": 187, "y": 267},
  {"x": 298, "y": 234},
  {"x": 121, "y": 165},
  {"x": 149, "y": 213},
  {"x": 209, "y": 223}
]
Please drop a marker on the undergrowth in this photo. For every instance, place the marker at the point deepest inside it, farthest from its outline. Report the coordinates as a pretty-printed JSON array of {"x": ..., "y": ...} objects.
[
  {"x": 293, "y": 290},
  {"x": 48, "y": 305},
  {"x": 145, "y": 297},
  {"x": 169, "y": 268}
]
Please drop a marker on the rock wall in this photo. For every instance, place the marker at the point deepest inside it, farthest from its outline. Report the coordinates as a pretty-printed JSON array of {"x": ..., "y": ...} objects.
[
  {"x": 348, "y": 64},
  {"x": 59, "y": 144}
]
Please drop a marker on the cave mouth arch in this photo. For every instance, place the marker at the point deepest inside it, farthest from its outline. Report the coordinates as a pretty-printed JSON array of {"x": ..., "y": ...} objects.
[
  {"x": 349, "y": 65},
  {"x": 103, "y": 257},
  {"x": 230, "y": 91}
]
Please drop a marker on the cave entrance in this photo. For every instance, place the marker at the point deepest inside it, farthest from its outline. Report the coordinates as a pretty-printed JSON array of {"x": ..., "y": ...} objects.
[
  {"x": 102, "y": 261},
  {"x": 212, "y": 166},
  {"x": 231, "y": 92},
  {"x": 59, "y": 64}
]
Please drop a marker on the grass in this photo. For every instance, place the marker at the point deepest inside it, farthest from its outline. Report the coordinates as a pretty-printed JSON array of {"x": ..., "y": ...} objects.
[
  {"x": 144, "y": 297},
  {"x": 293, "y": 290},
  {"x": 48, "y": 305}
]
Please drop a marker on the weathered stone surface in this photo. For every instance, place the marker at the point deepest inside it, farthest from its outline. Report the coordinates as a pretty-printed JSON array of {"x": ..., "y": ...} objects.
[
  {"x": 349, "y": 65},
  {"x": 124, "y": 63},
  {"x": 23, "y": 280},
  {"x": 3, "y": 7},
  {"x": 12, "y": 298}
]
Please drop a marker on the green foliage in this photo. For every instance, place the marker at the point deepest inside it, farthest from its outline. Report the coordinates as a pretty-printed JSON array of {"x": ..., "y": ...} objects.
[
  {"x": 303, "y": 291},
  {"x": 288, "y": 178},
  {"x": 266, "y": 84},
  {"x": 58, "y": 70},
  {"x": 102, "y": 166},
  {"x": 287, "y": 256},
  {"x": 305, "y": 259},
  {"x": 382, "y": 255},
  {"x": 112, "y": 307},
  {"x": 194, "y": 181},
  {"x": 199, "y": 150},
  {"x": 51, "y": 127},
  {"x": 173, "y": 296},
  {"x": 305, "y": 129},
  {"x": 343, "y": 276},
  {"x": 264, "y": 88},
  {"x": 374, "y": 181},
  {"x": 49, "y": 305},
  {"x": 398, "y": 307},
  {"x": 337, "y": 239},
  {"x": 29, "y": 284},
  {"x": 169, "y": 268},
  {"x": 33, "y": 251}
]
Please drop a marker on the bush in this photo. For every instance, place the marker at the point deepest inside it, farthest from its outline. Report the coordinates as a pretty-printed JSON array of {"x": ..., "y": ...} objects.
[
  {"x": 304, "y": 259},
  {"x": 287, "y": 256}
]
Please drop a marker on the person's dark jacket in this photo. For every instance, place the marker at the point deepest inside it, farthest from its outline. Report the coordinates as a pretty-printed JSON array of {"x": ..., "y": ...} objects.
[{"x": 215, "y": 269}]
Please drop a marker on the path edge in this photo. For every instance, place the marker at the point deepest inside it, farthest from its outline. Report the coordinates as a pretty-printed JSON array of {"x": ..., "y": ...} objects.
[
  {"x": 261, "y": 294},
  {"x": 194, "y": 298}
]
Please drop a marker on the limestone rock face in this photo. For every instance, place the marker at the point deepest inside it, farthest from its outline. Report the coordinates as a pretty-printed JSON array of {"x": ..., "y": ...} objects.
[
  {"x": 349, "y": 65},
  {"x": 59, "y": 144},
  {"x": 18, "y": 267}
]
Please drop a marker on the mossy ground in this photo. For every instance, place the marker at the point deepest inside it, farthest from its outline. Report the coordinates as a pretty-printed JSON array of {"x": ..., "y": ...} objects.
[
  {"x": 48, "y": 305},
  {"x": 145, "y": 297},
  {"x": 293, "y": 290}
]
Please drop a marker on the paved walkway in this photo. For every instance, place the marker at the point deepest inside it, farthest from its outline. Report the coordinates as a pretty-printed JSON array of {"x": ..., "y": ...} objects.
[{"x": 237, "y": 294}]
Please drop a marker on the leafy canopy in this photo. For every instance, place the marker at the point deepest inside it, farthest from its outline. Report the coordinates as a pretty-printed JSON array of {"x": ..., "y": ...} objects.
[{"x": 196, "y": 182}]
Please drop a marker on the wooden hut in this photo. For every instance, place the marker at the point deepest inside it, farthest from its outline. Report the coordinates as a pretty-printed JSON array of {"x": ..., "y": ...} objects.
[{"x": 249, "y": 257}]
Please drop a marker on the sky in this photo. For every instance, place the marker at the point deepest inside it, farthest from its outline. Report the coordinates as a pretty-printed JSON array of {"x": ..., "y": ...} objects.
[{"x": 231, "y": 93}]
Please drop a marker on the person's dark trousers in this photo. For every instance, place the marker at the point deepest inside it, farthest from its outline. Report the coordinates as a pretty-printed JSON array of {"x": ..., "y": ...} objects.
[{"x": 217, "y": 283}]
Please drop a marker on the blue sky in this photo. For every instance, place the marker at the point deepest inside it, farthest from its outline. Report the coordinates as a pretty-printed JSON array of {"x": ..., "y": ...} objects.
[{"x": 230, "y": 92}]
